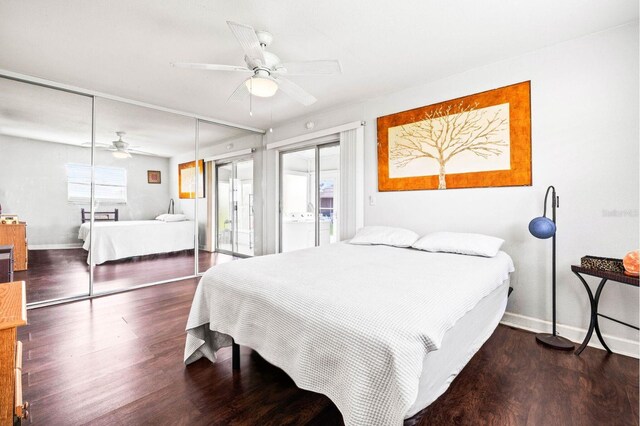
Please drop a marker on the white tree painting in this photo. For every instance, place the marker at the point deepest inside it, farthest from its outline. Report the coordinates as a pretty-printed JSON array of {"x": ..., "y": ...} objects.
[{"x": 454, "y": 139}]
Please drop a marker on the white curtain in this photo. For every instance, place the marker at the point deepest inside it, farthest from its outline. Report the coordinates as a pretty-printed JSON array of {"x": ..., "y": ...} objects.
[{"x": 351, "y": 207}]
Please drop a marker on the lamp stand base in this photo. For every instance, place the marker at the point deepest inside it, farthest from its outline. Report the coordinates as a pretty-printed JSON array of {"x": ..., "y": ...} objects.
[{"x": 555, "y": 341}]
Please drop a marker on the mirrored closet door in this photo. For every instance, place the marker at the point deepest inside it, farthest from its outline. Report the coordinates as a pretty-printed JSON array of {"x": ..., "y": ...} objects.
[
  {"x": 144, "y": 196},
  {"x": 45, "y": 182},
  {"x": 231, "y": 209},
  {"x": 101, "y": 195}
]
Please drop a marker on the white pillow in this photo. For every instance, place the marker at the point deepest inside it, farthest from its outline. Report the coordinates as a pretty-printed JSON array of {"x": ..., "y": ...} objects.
[
  {"x": 461, "y": 243},
  {"x": 385, "y": 235},
  {"x": 171, "y": 217}
]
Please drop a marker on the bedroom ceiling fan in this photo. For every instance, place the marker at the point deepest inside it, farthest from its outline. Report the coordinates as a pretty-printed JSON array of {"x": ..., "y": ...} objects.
[
  {"x": 120, "y": 148},
  {"x": 266, "y": 71}
]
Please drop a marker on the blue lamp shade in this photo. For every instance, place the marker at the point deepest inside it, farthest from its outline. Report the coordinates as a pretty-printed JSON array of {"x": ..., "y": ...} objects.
[{"x": 542, "y": 227}]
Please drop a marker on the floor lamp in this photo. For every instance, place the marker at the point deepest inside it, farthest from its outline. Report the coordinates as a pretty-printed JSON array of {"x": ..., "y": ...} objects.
[{"x": 543, "y": 228}]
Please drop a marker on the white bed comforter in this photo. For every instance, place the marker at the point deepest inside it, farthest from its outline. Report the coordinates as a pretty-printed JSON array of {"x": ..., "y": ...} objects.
[
  {"x": 351, "y": 322},
  {"x": 119, "y": 240}
]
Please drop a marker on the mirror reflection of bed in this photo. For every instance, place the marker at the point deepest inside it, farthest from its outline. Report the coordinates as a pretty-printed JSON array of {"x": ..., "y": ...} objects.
[{"x": 158, "y": 247}]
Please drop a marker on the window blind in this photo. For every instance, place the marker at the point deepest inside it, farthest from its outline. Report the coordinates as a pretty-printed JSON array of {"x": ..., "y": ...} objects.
[{"x": 110, "y": 184}]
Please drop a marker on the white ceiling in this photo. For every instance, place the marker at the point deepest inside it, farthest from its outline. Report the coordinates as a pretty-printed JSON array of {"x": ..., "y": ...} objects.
[{"x": 124, "y": 47}]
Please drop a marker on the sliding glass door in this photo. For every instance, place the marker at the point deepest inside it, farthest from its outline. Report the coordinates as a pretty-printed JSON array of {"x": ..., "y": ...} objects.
[
  {"x": 309, "y": 197},
  {"x": 235, "y": 208}
]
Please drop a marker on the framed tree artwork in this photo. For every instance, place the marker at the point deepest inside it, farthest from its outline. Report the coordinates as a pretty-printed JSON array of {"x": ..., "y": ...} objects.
[
  {"x": 481, "y": 140},
  {"x": 187, "y": 179}
]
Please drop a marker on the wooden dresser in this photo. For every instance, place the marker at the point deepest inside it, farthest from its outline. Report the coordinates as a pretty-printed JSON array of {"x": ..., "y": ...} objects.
[
  {"x": 16, "y": 235},
  {"x": 13, "y": 314}
]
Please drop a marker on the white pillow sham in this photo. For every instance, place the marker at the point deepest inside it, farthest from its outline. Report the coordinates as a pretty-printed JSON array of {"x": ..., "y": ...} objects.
[
  {"x": 172, "y": 217},
  {"x": 460, "y": 243},
  {"x": 385, "y": 235}
]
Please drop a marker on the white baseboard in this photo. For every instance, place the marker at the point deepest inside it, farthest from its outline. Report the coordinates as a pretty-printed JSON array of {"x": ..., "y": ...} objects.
[
  {"x": 55, "y": 246},
  {"x": 616, "y": 344}
]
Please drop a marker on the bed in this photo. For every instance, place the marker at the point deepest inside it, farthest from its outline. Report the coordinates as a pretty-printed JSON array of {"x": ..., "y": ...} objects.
[
  {"x": 382, "y": 331},
  {"x": 119, "y": 240}
]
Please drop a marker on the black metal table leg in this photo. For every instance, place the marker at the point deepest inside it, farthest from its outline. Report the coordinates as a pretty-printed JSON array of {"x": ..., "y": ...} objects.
[
  {"x": 605, "y": 277},
  {"x": 594, "y": 316},
  {"x": 235, "y": 356},
  {"x": 597, "y": 324}
]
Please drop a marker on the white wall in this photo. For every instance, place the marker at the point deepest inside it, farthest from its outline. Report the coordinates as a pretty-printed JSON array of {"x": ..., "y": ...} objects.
[
  {"x": 33, "y": 185},
  {"x": 584, "y": 100}
]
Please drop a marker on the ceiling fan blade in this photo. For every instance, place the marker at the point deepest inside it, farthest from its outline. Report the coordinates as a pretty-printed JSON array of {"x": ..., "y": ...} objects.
[
  {"x": 322, "y": 67},
  {"x": 296, "y": 92},
  {"x": 137, "y": 151},
  {"x": 240, "y": 93},
  {"x": 98, "y": 145},
  {"x": 248, "y": 40},
  {"x": 210, "y": 67}
]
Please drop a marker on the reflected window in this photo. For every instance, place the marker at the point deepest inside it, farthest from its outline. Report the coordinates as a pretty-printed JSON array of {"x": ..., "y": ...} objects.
[{"x": 111, "y": 184}]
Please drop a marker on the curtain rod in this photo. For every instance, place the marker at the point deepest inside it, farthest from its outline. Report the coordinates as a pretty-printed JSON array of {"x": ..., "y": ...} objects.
[{"x": 315, "y": 135}]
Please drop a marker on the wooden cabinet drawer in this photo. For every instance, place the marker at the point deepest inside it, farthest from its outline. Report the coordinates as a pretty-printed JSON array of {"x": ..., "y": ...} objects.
[{"x": 21, "y": 407}]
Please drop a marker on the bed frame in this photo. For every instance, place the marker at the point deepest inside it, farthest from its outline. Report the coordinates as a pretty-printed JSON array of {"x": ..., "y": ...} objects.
[
  {"x": 411, "y": 421},
  {"x": 105, "y": 216}
]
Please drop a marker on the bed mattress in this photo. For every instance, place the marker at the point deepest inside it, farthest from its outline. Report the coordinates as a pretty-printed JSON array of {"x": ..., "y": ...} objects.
[
  {"x": 354, "y": 323},
  {"x": 123, "y": 239},
  {"x": 459, "y": 344}
]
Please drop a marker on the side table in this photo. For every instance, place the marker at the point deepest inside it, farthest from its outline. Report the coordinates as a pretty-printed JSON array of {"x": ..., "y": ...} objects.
[{"x": 605, "y": 277}]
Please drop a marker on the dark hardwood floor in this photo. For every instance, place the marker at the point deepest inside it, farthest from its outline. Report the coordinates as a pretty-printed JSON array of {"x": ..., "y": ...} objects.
[
  {"x": 117, "y": 360},
  {"x": 55, "y": 274}
]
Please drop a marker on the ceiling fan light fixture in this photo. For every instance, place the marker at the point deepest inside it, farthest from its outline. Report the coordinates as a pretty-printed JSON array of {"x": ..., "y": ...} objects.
[
  {"x": 121, "y": 154},
  {"x": 262, "y": 87}
]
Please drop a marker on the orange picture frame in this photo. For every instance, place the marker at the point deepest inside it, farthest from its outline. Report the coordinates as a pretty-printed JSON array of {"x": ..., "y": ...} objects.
[
  {"x": 432, "y": 149},
  {"x": 187, "y": 179}
]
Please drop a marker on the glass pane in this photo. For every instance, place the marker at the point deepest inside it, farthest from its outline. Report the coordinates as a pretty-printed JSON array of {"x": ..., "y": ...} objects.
[
  {"x": 44, "y": 132},
  {"x": 298, "y": 200},
  {"x": 141, "y": 158},
  {"x": 329, "y": 187},
  {"x": 244, "y": 200},
  {"x": 225, "y": 220},
  {"x": 224, "y": 191}
]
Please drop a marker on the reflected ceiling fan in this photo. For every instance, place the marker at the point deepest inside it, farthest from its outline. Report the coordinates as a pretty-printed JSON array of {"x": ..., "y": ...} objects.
[
  {"x": 120, "y": 148},
  {"x": 266, "y": 71}
]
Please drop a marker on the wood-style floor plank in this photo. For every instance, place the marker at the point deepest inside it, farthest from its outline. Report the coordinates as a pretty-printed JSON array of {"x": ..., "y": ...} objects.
[
  {"x": 63, "y": 273},
  {"x": 117, "y": 360}
]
